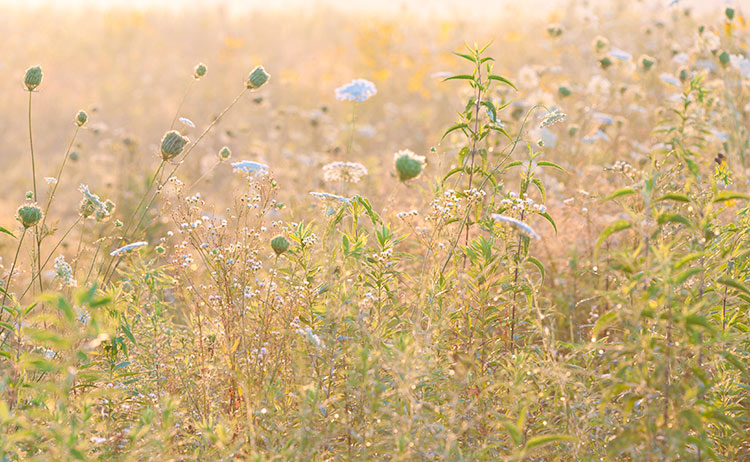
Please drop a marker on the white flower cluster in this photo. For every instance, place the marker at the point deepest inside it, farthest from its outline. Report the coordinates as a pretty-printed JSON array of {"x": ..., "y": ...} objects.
[
  {"x": 474, "y": 194},
  {"x": 64, "y": 272},
  {"x": 522, "y": 205},
  {"x": 407, "y": 214},
  {"x": 345, "y": 172},
  {"x": 445, "y": 206},
  {"x": 552, "y": 117}
]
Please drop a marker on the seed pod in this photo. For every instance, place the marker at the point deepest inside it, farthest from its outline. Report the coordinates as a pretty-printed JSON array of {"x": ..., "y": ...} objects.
[
  {"x": 33, "y": 77},
  {"x": 29, "y": 215},
  {"x": 172, "y": 144},
  {"x": 279, "y": 244},
  {"x": 257, "y": 78},
  {"x": 81, "y": 118}
]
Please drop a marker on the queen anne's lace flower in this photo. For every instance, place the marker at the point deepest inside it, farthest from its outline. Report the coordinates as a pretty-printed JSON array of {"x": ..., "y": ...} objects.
[{"x": 356, "y": 90}]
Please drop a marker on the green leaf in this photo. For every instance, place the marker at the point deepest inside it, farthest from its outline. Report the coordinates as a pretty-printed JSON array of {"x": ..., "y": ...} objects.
[
  {"x": 546, "y": 163},
  {"x": 538, "y": 183},
  {"x": 673, "y": 197},
  {"x": 549, "y": 218},
  {"x": 459, "y": 77},
  {"x": 465, "y": 56},
  {"x": 604, "y": 322},
  {"x": 539, "y": 265},
  {"x": 734, "y": 284},
  {"x": 736, "y": 363},
  {"x": 619, "y": 193},
  {"x": 513, "y": 431},
  {"x": 673, "y": 218},
  {"x": 3, "y": 230},
  {"x": 685, "y": 275},
  {"x": 542, "y": 440},
  {"x": 730, "y": 195},
  {"x": 502, "y": 79},
  {"x": 616, "y": 227},
  {"x": 459, "y": 126}
]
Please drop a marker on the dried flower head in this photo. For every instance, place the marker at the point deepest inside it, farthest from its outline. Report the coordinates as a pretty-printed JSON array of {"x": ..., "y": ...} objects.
[{"x": 346, "y": 172}]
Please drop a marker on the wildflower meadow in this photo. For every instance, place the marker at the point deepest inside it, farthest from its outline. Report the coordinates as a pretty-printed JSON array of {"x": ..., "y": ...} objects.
[{"x": 384, "y": 232}]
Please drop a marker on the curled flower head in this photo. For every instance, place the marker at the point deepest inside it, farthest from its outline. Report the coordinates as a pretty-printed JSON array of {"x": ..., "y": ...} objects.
[
  {"x": 29, "y": 215},
  {"x": 279, "y": 244},
  {"x": 200, "y": 71},
  {"x": 356, "y": 90},
  {"x": 172, "y": 144},
  {"x": 408, "y": 165},
  {"x": 81, "y": 118},
  {"x": 33, "y": 77},
  {"x": 224, "y": 154},
  {"x": 257, "y": 78}
]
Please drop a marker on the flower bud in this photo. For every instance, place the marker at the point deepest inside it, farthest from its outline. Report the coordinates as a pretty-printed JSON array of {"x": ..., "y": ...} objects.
[
  {"x": 200, "y": 71},
  {"x": 33, "y": 77},
  {"x": 172, "y": 144},
  {"x": 257, "y": 78},
  {"x": 105, "y": 214},
  {"x": 224, "y": 154},
  {"x": 647, "y": 62},
  {"x": 81, "y": 118},
  {"x": 279, "y": 244},
  {"x": 29, "y": 215}
]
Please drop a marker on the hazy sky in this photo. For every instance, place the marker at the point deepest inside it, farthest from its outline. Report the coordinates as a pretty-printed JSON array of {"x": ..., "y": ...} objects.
[{"x": 428, "y": 7}]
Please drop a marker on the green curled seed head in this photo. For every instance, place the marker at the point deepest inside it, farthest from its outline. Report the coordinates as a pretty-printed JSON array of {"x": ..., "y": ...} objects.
[
  {"x": 33, "y": 77},
  {"x": 257, "y": 78},
  {"x": 172, "y": 144},
  {"x": 279, "y": 244},
  {"x": 29, "y": 215}
]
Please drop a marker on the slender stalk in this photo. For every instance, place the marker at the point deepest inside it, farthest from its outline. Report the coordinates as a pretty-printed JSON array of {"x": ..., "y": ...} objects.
[
  {"x": 475, "y": 138},
  {"x": 31, "y": 145},
  {"x": 38, "y": 274},
  {"x": 12, "y": 268},
  {"x": 182, "y": 102}
]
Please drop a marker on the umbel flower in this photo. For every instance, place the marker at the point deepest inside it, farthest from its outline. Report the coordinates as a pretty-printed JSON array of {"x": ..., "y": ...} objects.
[
  {"x": 356, "y": 90},
  {"x": 29, "y": 215},
  {"x": 346, "y": 172},
  {"x": 33, "y": 78},
  {"x": 172, "y": 144},
  {"x": 408, "y": 165}
]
